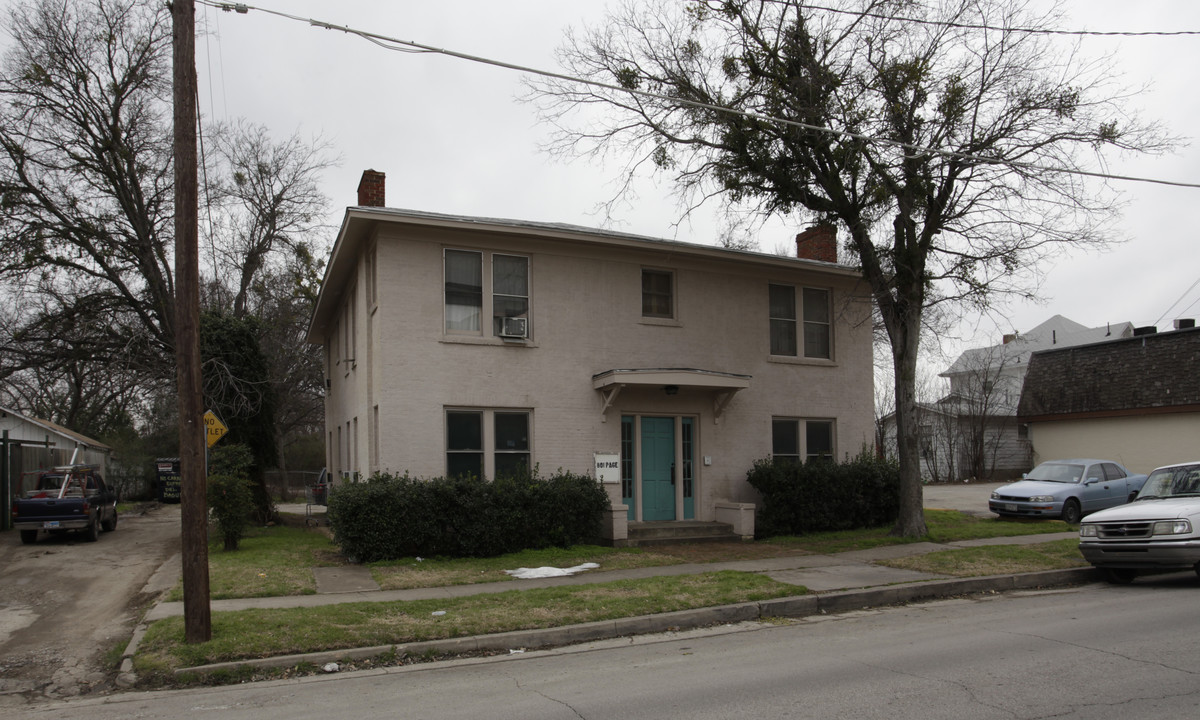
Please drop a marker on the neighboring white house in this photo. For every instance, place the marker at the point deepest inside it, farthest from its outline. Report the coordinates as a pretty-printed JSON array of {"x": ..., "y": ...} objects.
[
  {"x": 28, "y": 444},
  {"x": 973, "y": 431},
  {"x": 1135, "y": 400},
  {"x": 475, "y": 345}
]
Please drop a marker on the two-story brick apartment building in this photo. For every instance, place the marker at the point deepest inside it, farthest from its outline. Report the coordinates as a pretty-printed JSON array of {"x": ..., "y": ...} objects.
[{"x": 476, "y": 345}]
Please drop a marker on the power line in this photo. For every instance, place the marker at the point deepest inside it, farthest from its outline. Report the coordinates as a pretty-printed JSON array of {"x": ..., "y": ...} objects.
[
  {"x": 391, "y": 43},
  {"x": 1002, "y": 28},
  {"x": 1181, "y": 297}
]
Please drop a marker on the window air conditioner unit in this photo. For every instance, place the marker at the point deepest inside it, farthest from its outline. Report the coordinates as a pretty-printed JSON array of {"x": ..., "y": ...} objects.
[{"x": 513, "y": 327}]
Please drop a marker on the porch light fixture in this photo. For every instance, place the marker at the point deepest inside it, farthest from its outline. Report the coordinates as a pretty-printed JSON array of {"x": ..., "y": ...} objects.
[{"x": 671, "y": 389}]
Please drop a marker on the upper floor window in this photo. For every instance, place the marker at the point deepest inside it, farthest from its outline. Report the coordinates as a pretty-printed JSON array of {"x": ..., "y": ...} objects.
[
  {"x": 349, "y": 334},
  {"x": 785, "y": 322},
  {"x": 817, "y": 328},
  {"x": 373, "y": 277},
  {"x": 503, "y": 294},
  {"x": 658, "y": 293},
  {"x": 510, "y": 294},
  {"x": 464, "y": 291}
]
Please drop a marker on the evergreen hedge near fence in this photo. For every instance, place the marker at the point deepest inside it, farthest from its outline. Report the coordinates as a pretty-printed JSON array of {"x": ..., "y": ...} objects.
[
  {"x": 823, "y": 495},
  {"x": 390, "y": 517}
]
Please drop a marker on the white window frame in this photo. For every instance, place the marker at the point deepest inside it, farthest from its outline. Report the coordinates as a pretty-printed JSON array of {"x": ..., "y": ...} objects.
[
  {"x": 672, "y": 296},
  {"x": 793, "y": 321},
  {"x": 446, "y": 252},
  {"x": 489, "y": 450},
  {"x": 827, "y": 323},
  {"x": 802, "y": 351},
  {"x": 494, "y": 294},
  {"x": 487, "y": 301},
  {"x": 801, "y": 426}
]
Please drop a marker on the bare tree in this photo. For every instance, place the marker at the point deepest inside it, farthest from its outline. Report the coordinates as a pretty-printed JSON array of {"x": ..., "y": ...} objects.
[
  {"x": 86, "y": 232},
  {"x": 85, "y": 178},
  {"x": 267, "y": 202},
  {"x": 922, "y": 129}
]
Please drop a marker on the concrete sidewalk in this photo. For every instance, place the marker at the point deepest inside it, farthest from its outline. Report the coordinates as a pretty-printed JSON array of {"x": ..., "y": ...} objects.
[
  {"x": 836, "y": 583},
  {"x": 853, "y": 570}
]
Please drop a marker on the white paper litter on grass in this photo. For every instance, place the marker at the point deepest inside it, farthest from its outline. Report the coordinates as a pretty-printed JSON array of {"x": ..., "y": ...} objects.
[{"x": 549, "y": 572}]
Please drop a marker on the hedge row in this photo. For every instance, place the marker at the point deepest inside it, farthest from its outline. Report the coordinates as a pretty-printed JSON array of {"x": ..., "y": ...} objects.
[
  {"x": 822, "y": 495},
  {"x": 391, "y": 517}
]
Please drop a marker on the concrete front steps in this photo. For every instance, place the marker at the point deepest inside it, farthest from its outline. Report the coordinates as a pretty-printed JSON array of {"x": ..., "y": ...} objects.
[{"x": 643, "y": 534}]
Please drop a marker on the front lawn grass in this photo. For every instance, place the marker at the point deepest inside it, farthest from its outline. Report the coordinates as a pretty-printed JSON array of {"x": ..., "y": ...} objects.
[
  {"x": 409, "y": 573},
  {"x": 943, "y": 526},
  {"x": 995, "y": 559},
  {"x": 278, "y": 560},
  {"x": 269, "y": 562},
  {"x": 261, "y": 633}
]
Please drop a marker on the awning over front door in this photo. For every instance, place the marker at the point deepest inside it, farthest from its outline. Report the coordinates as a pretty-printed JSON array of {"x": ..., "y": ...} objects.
[{"x": 723, "y": 385}]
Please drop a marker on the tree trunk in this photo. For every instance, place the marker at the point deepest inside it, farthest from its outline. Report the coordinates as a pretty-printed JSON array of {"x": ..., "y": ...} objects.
[{"x": 911, "y": 521}]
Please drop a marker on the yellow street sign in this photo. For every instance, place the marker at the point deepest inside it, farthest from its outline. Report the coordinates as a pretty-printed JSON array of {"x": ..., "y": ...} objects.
[{"x": 214, "y": 428}]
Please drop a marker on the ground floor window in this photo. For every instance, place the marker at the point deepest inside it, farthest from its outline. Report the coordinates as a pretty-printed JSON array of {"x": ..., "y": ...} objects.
[
  {"x": 627, "y": 464},
  {"x": 800, "y": 439},
  {"x": 688, "y": 437},
  {"x": 487, "y": 443}
]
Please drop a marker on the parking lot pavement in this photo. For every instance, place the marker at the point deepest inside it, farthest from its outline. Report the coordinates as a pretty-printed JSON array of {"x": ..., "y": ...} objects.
[{"x": 966, "y": 497}]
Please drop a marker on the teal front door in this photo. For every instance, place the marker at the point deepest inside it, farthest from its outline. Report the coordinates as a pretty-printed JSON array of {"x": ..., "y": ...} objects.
[{"x": 658, "y": 469}]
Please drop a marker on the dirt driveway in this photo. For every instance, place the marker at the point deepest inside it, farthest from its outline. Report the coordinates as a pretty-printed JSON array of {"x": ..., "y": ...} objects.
[{"x": 65, "y": 602}]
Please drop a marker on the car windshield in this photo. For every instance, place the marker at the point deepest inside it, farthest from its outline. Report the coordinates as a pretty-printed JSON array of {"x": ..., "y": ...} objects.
[
  {"x": 1172, "y": 482},
  {"x": 1056, "y": 472}
]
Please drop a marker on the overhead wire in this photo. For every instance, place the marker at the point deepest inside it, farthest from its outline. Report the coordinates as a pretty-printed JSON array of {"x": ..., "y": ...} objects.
[
  {"x": 1181, "y": 299},
  {"x": 1003, "y": 28},
  {"x": 1188, "y": 308},
  {"x": 397, "y": 44},
  {"x": 200, "y": 137}
]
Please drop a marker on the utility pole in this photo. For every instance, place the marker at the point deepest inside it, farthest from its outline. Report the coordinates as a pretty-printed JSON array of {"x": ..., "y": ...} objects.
[{"x": 197, "y": 613}]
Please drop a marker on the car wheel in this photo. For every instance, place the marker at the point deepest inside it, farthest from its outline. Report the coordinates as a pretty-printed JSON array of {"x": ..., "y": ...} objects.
[
  {"x": 1120, "y": 576},
  {"x": 29, "y": 537},
  {"x": 1070, "y": 512},
  {"x": 110, "y": 524},
  {"x": 1197, "y": 568},
  {"x": 92, "y": 533},
  {"x": 1132, "y": 497}
]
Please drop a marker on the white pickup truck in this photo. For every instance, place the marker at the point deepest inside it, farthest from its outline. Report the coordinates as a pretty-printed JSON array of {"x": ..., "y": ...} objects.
[{"x": 1160, "y": 529}]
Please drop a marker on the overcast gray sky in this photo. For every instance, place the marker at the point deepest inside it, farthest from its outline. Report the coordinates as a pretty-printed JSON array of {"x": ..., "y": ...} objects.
[{"x": 452, "y": 136}]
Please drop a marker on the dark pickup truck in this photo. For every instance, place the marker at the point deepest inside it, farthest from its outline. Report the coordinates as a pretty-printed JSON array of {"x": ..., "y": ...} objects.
[{"x": 66, "y": 498}]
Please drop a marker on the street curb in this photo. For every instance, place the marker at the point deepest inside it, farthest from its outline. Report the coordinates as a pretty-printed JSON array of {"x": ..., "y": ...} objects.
[{"x": 788, "y": 607}]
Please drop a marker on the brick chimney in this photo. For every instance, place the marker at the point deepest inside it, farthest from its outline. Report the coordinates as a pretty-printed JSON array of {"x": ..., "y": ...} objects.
[
  {"x": 370, "y": 189},
  {"x": 819, "y": 242}
]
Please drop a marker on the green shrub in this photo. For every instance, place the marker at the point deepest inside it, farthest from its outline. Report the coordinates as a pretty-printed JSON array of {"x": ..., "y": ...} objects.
[
  {"x": 391, "y": 517},
  {"x": 230, "y": 500},
  {"x": 821, "y": 495}
]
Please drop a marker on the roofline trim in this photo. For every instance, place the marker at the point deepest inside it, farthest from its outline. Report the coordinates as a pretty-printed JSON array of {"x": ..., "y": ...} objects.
[{"x": 1108, "y": 414}]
